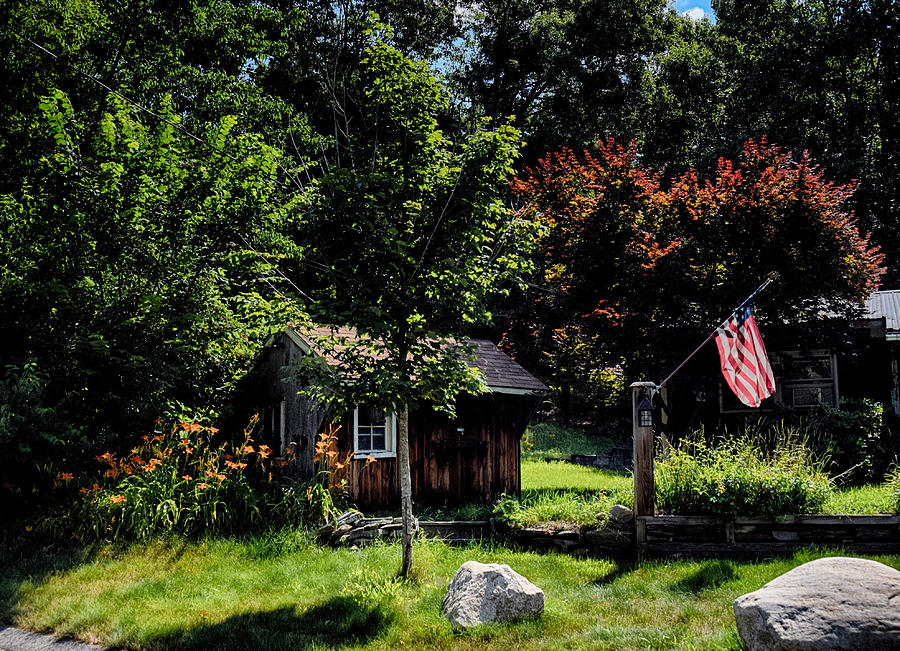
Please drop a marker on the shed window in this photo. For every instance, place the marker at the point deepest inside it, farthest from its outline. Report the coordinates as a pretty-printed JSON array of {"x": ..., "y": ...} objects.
[{"x": 374, "y": 432}]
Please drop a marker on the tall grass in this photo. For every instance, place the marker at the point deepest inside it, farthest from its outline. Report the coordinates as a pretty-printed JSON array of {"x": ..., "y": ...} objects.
[{"x": 739, "y": 476}]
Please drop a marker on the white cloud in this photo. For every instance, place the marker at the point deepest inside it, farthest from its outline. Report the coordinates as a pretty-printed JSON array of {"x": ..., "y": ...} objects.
[{"x": 696, "y": 14}]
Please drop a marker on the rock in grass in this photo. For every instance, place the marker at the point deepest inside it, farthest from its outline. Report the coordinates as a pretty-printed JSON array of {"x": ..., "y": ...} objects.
[
  {"x": 490, "y": 592},
  {"x": 619, "y": 514},
  {"x": 830, "y": 603}
]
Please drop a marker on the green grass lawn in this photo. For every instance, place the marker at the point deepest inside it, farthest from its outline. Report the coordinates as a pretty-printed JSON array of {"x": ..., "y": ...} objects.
[
  {"x": 283, "y": 592},
  {"x": 861, "y": 500},
  {"x": 556, "y": 492},
  {"x": 549, "y": 440},
  {"x": 557, "y": 487}
]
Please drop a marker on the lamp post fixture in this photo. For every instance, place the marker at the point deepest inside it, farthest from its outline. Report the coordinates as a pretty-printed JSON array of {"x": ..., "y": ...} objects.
[
  {"x": 642, "y": 417},
  {"x": 645, "y": 411}
]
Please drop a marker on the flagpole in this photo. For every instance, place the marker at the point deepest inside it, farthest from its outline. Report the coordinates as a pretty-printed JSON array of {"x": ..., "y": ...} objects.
[{"x": 713, "y": 333}]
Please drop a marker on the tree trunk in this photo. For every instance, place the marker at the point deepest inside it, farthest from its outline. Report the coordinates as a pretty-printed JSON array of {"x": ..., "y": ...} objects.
[{"x": 405, "y": 487}]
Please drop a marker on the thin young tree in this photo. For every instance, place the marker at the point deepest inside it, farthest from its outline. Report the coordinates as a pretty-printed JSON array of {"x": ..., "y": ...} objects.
[{"x": 408, "y": 238}]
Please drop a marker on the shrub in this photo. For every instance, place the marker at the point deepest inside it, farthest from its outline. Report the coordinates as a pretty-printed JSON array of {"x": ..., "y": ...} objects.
[
  {"x": 852, "y": 437},
  {"x": 181, "y": 481},
  {"x": 893, "y": 482},
  {"x": 736, "y": 477}
]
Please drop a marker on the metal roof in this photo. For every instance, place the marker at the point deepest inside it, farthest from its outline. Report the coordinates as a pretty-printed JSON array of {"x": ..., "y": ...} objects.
[{"x": 885, "y": 305}]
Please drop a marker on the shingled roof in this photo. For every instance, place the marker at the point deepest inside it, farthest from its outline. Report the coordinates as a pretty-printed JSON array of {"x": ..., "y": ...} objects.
[{"x": 501, "y": 372}]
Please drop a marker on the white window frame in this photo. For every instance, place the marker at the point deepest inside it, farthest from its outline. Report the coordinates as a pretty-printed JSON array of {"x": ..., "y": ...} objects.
[{"x": 390, "y": 438}]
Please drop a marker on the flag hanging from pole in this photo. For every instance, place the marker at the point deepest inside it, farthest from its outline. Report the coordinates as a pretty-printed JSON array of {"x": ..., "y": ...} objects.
[{"x": 745, "y": 364}]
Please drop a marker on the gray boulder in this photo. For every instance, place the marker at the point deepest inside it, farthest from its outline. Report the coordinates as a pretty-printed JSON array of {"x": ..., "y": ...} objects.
[
  {"x": 490, "y": 592},
  {"x": 619, "y": 514},
  {"x": 830, "y": 603}
]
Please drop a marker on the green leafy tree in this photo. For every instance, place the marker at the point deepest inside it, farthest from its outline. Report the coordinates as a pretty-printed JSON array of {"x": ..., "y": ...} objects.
[
  {"x": 408, "y": 240},
  {"x": 124, "y": 259},
  {"x": 821, "y": 76},
  {"x": 569, "y": 71},
  {"x": 126, "y": 246},
  {"x": 686, "y": 110}
]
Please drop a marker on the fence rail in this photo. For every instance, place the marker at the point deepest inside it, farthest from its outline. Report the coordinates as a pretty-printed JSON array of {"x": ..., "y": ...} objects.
[{"x": 680, "y": 535}]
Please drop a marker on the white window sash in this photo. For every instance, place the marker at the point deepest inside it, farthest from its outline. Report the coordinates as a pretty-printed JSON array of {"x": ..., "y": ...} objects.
[{"x": 390, "y": 438}]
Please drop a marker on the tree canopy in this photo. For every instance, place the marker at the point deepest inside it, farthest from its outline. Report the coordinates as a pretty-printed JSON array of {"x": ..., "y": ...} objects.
[
  {"x": 630, "y": 272},
  {"x": 176, "y": 179}
]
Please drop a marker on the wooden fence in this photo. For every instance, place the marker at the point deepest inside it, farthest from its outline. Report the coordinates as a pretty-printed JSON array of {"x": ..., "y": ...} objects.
[
  {"x": 674, "y": 536},
  {"x": 701, "y": 536}
]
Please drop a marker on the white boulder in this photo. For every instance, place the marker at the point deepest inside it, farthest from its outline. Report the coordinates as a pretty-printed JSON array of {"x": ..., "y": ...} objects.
[
  {"x": 490, "y": 592},
  {"x": 830, "y": 603}
]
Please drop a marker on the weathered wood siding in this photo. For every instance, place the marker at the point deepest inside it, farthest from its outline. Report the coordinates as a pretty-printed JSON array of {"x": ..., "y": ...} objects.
[
  {"x": 452, "y": 461},
  {"x": 302, "y": 422}
]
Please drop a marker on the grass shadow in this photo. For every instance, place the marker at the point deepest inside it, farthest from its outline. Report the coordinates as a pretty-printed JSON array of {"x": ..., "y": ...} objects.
[
  {"x": 619, "y": 569},
  {"x": 335, "y": 623},
  {"x": 708, "y": 576},
  {"x": 33, "y": 559}
]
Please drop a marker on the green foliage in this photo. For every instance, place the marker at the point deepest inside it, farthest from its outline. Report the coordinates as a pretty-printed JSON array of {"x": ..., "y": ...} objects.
[
  {"x": 124, "y": 260},
  {"x": 30, "y": 424},
  {"x": 852, "y": 438},
  {"x": 893, "y": 482},
  {"x": 411, "y": 224},
  {"x": 735, "y": 477},
  {"x": 183, "y": 481},
  {"x": 569, "y": 72},
  {"x": 821, "y": 77}
]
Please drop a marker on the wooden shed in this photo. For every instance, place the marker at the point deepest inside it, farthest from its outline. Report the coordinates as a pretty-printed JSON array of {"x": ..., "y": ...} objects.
[{"x": 472, "y": 457}]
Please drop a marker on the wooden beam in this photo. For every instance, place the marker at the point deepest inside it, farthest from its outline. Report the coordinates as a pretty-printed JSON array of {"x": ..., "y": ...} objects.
[{"x": 644, "y": 488}]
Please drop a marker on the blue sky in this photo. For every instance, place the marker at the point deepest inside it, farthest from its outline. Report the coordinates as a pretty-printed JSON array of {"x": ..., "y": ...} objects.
[{"x": 686, "y": 5}]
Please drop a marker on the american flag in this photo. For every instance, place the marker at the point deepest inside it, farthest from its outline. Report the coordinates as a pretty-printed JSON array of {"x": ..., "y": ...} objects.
[{"x": 745, "y": 364}]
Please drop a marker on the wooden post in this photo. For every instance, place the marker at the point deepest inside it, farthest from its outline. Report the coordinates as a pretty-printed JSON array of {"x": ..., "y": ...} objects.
[{"x": 644, "y": 489}]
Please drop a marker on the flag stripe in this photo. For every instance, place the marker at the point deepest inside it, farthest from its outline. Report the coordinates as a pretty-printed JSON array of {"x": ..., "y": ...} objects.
[{"x": 745, "y": 364}]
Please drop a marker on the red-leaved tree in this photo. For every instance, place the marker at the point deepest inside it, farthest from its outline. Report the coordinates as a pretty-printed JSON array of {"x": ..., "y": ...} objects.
[{"x": 631, "y": 275}]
